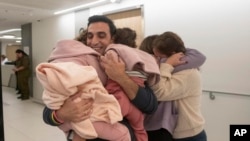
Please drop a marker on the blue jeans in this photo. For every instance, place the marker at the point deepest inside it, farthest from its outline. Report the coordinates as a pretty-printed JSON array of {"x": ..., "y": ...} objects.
[{"x": 199, "y": 137}]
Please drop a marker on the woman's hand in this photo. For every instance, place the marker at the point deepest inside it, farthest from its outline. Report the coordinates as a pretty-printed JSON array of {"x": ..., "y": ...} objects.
[
  {"x": 175, "y": 59},
  {"x": 72, "y": 111}
]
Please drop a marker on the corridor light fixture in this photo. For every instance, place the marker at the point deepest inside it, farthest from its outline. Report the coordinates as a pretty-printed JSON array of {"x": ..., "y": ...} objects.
[
  {"x": 7, "y": 36},
  {"x": 84, "y": 6},
  {"x": 115, "y": 1},
  {"x": 9, "y": 30}
]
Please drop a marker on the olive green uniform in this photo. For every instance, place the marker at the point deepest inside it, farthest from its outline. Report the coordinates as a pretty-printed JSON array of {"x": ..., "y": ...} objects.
[{"x": 23, "y": 76}]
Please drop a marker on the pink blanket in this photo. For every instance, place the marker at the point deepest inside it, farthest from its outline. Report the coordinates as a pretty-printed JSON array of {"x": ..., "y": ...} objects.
[
  {"x": 138, "y": 60},
  {"x": 62, "y": 80}
]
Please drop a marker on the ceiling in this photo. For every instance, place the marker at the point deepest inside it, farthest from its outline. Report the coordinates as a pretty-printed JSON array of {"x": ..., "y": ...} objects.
[{"x": 14, "y": 13}]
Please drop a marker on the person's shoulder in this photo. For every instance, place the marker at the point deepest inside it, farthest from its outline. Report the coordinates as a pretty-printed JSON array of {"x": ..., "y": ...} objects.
[
  {"x": 188, "y": 72},
  {"x": 191, "y": 75}
]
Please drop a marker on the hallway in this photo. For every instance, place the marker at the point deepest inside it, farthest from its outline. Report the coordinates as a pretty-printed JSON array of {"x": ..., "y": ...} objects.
[{"x": 23, "y": 120}]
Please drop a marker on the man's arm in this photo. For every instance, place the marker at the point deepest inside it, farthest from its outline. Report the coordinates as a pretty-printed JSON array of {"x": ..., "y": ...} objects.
[
  {"x": 145, "y": 100},
  {"x": 69, "y": 112},
  {"x": 47, "y": 117},
  {"x": 142, "y": 97}
]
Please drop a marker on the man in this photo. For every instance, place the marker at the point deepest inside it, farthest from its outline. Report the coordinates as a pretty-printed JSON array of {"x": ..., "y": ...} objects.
[{"x": 100, "y": 33}]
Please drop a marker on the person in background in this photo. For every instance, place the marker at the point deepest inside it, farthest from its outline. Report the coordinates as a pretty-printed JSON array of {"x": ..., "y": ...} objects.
[
  {"x": 184, "y": 88},
  {"x": 14, "y": 63},
  {"x": 4, "y": 59},
  {"x": 22, "y": 68},
  {"x": 100, "y": 34},
  {"x": 161, "y": 124}
]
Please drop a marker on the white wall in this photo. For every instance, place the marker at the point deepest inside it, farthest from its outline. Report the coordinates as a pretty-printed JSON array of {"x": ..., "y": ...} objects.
[
  {"x": 218, "y": 28},
  {"x": 4, "y": 45},
  {"x": 223, "y": 111},
  {"x": 45, "y": 34}
]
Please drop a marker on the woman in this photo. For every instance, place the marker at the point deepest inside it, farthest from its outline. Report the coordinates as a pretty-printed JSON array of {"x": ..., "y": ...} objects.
[
  {"x": 184, "y": 88},
  {"x": 165, "y": 121}
]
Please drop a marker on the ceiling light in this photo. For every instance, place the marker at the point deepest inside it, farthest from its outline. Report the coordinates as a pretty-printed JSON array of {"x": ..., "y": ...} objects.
[
  {"x": 8, "y": 36},
  {"x": 115, "y": 1},
  {"x": 88, "y": 5},
  {"x": 9, "y": 30}
]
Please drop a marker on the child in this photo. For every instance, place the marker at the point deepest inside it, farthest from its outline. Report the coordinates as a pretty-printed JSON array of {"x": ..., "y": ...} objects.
[
  {"x": 140, "y": 68},
  {"x": 73, "y": 69}
]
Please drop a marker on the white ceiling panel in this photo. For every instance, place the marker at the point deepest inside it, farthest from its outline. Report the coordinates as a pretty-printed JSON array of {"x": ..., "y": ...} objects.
[{"x": 14, "y": 13}]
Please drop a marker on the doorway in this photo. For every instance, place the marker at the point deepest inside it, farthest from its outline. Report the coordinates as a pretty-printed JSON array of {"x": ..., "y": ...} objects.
[
  {"x": 11, "y": 52},
  {"x": 132, "y": 19}
]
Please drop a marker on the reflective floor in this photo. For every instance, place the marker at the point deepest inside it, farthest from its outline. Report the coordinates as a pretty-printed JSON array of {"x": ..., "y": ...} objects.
[{"x": 23, "y": 120}]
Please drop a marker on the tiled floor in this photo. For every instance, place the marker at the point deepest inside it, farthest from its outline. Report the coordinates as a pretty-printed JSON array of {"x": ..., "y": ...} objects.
[{"x": 23, "y": 120}]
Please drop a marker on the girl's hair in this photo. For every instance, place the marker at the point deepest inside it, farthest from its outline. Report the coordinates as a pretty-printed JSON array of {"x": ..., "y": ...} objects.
[
  {"x": 169, "y": 43},
  {"x": 125, "y": 36},
  {"x": 147, "y": 44},
  {"x": 82, "y": 37}
]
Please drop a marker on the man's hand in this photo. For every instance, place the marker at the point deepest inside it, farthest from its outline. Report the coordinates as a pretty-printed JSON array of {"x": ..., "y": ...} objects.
[
  {"x": 15, "y": 69},
  {"x": 75, "y": 111},
  {"x": 114, "y": 67}
]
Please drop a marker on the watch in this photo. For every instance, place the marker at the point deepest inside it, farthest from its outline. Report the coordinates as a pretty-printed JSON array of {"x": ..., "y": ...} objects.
[{"x": 70, "y": 135}]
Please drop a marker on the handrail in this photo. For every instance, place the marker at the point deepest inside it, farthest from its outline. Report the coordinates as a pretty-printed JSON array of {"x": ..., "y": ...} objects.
[{"x": 212, "y": 96}]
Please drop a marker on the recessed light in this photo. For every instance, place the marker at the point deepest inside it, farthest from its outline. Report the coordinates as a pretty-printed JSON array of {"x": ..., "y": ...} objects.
[
  {"x": 8, "y": 36},
  {"x": 87, "y": 5},
  {"x": 9, "y": 30},
  {"x": 115, "y": 1}
]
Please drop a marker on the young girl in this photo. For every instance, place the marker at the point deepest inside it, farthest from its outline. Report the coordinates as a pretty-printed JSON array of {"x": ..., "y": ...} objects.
[
  {"x": 73, "y": 69},
  {"x": 141, "y": 68}
]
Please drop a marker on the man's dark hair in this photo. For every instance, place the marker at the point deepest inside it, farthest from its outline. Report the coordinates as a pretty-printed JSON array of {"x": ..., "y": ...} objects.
[{"x": 102, "y": 18}]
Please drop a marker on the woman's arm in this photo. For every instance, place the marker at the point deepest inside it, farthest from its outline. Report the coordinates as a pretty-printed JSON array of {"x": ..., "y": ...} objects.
[
  {"x": 175, "y": 86},
  {"x": 193, "y": 59}
]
